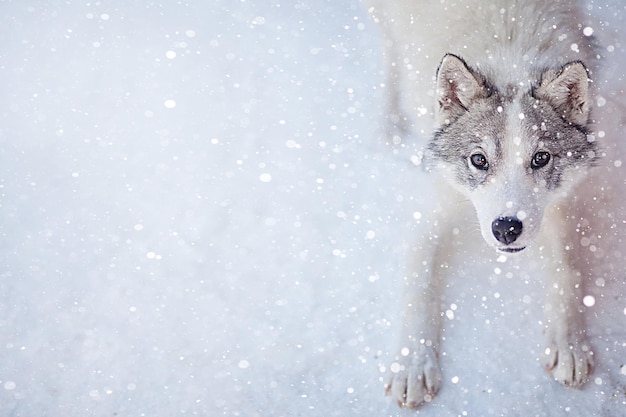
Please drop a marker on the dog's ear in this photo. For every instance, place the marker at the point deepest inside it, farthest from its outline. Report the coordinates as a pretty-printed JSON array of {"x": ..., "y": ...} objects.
[
  {"x": 457, "y": 86},
  {"x": 567, "y": 90}
]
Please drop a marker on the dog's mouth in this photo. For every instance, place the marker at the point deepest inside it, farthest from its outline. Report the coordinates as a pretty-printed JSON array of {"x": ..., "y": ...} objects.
[{"x": 512, "y": 250}]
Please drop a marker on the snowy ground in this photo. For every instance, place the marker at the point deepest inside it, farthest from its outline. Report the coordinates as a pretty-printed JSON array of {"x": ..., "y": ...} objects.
[{"x": 199, "y": 216}]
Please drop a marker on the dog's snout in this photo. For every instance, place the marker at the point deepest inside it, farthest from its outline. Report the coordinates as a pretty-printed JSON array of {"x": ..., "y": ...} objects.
[{"x": 506, "y": 229}]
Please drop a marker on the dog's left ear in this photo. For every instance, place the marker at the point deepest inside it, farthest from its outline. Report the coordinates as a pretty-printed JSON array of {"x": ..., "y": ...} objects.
[{"x": 567, "y": 90}]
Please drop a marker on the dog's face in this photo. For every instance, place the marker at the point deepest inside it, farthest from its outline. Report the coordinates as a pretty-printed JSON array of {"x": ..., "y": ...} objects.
[{"x": 512, "y": 152}]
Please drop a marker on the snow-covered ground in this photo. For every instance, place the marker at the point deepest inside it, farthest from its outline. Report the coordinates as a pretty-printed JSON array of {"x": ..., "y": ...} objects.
[{"x": 199, "y": 216}]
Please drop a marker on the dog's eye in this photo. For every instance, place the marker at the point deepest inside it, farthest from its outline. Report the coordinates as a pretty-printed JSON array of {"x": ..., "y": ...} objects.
[
  {"x": 479, "y": 161},
  {"x": 540, "y": 160}
]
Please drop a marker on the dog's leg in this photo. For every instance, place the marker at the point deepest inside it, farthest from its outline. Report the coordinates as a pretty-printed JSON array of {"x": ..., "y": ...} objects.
[
  {"x": 568, "y": 357},
  {"x": 396, "y": 120},
  {"x": 396, "y": 128},
  {"x": 414, "y": 375}
]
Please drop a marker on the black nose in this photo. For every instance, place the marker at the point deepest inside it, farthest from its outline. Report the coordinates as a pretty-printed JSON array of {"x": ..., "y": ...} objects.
[{"x": 506, "y": 229}]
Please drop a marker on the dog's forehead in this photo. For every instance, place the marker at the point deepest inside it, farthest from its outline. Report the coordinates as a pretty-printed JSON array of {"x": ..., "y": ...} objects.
[
  {"x": 524, "y": 124},
  {"x": 495, "y": 125},
  {"x": 500, "y": 123}
]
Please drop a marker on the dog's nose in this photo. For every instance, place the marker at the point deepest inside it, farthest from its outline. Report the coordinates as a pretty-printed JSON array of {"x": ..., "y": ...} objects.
[{"x": 506, "y": 229}]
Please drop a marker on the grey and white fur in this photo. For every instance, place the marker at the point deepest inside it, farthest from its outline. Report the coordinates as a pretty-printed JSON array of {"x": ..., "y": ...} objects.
[{"x": 499, "y": 97}]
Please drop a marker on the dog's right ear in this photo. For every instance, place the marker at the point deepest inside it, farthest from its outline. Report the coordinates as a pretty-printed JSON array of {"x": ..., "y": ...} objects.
[{"x": 457, "y": 86}]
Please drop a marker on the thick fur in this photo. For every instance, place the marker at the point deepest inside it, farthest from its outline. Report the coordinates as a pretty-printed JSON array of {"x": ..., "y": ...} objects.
[{"x": 498, "y": 96}]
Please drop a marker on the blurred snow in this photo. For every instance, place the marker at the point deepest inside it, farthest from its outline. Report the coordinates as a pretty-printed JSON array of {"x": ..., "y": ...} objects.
[{"x": 199, "y": 216}]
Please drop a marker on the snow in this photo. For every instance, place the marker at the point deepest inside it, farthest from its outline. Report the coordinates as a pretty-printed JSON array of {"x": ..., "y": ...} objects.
[{"x": 200, "y": 216}]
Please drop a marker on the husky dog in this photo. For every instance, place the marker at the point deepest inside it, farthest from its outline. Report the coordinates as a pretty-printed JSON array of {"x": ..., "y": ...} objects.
[{"x": 509, "y": 125}]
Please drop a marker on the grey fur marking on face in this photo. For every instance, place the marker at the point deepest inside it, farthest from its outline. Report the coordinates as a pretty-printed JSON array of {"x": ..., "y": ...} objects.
[{"x": 474, "y": 117}]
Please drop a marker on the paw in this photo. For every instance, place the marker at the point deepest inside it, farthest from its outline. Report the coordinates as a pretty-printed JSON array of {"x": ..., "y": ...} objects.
[
  {"x": 570, "y": 364},
  {"x": 414, "y": 377}
]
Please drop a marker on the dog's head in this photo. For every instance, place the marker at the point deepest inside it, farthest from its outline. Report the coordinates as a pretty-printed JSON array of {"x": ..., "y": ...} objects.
[{"x": 512, "y": 150}]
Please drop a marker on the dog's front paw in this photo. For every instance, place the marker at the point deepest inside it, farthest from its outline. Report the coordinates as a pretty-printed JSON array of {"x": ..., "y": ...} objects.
[
  {"x": 414, "y": 376},
  {"x": 570, "y": 363}
]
